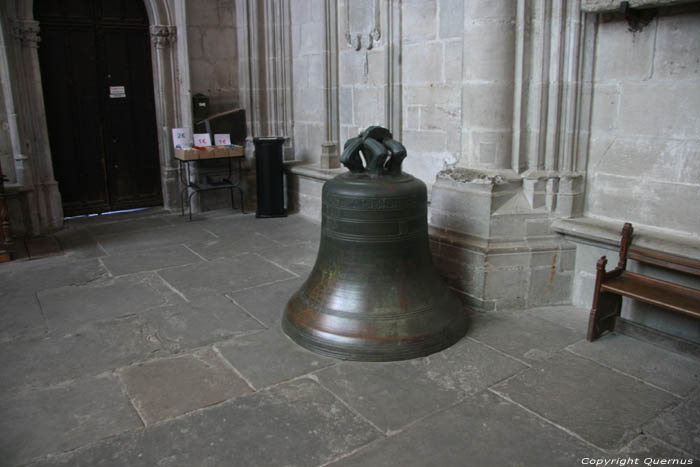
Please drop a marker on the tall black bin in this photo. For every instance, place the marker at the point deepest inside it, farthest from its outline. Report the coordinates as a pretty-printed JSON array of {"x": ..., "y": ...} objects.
[{"x": 269, "y": 177}]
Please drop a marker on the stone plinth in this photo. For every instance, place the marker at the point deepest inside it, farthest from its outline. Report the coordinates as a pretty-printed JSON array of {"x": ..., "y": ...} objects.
[{"x": 492, "y": 247}]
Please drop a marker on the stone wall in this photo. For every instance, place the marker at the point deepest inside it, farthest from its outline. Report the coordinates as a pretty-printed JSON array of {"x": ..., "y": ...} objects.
[
  {"x": 211, "y": 41},
  {"x": 644, "y": 164},
  {"x": 644, "y": 160}
]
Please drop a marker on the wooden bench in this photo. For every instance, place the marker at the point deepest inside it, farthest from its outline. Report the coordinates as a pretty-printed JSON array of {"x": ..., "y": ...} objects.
[{"x": 611, "y": 286}]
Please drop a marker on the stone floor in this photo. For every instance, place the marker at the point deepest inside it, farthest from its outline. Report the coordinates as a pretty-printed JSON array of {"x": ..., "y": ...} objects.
[{"x": 149, "y": 340}]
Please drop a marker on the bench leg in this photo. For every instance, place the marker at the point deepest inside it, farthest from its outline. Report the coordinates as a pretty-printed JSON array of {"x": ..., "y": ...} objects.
[
  {"x": 603, "y": 315},
  {"x": 606, "y": 306}
]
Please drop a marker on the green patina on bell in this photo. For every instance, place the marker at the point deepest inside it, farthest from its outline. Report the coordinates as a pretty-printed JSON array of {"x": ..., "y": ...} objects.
[{"x": 374, "y": 294}]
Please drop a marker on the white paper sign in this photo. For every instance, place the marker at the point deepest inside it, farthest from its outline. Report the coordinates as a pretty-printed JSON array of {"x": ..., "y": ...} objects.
[
  {"x": 181, "y": 138},
  {"x": 202, "y": 139},
  {"x": 116, "y": 92},
  {"x": 222, "y": 139}
]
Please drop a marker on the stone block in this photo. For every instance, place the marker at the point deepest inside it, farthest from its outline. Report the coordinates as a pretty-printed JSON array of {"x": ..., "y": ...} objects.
[
  {"x": 658, "y": 159},
  {"x": 270, "y": 357},
  {"x": 312, "y": 38},
  {"x": 612, "y": 196},
  {"x": 267, "y": 303},
  {"x": 453, "y": 59},
  {"x": 492, "y": 59},
  {"x": 89, "y": 349},
  {"x": 440, "y": 118},
  {"x": 676, "y": 51},
  {"x": 491, "y": 9},
  {"x": 624, "y": 55},
  {"x": 582, "y": 293},
  {"x": 606, "y": 103},
  {"x": 199, "y": 322},
  {"x": 570, "y": 317},
  {"x": 506, "y": 284},
  {"x": 204, "y": 13},
  {"x": 451, "y": 19},
  {"x": 149, "y": 260},
  {"x": 315, "y": 71},
  {"x": 644, "y": 447},
  {"x": 307, "y": 425},
  {"x": 574, "y": 393},
  {"x": 673, "y": 372},
  {"x": 473, "y": 431},
  {"x": 376, "y": 67},
  {"x": 422, "y": 63},
  {"x": 412, "y": 117},
  {"x": 166, "y": 388},
  {"x": 63, "y": 418},
  {"x": 486, "y": 105},
  {"x": 367, "y": 106},
  {"x": 352, "y": 68},
  {"x": 544, "y": 338},
  {"x": 679, "y": 427},
  {"x": 676, "y": 102},
  {"x": 548, "y": 286},
  {"x": 67, "y": 308},
  {"x": 151, "y": 238},
  {"x": 423, "y": 142},
  {"x": 437, "y": 94},
  {"x": 346, "y": 106},
  {"x": 224, "y": 275},
  {"x": 78, "y": 243},
  {"x": 419, "y": 19},
  {"x": 219, "y": 43},
  {"x": 300, "y": 12},
  {"x": 390, "y": 395},
  {"x": 201, "y": 71},
  {"x": 228, "y": 246},
  {"x": 298, "y": 258}
]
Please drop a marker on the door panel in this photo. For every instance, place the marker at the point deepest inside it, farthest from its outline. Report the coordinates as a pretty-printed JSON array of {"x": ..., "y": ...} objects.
[{"x": 103, "y": 142}]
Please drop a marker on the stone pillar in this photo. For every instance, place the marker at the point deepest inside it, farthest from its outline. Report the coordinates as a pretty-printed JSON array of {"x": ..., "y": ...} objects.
[
  {"x": 330, "y": 157},
  {"x": 552, "y": 103},
  {"x": 265, "y": 67},
  {"x": 393, "y": 104},
  {"x": 163, "y": 40},
  {"x": 487, "y": 84},
  {"x": 34, "y": 167}
]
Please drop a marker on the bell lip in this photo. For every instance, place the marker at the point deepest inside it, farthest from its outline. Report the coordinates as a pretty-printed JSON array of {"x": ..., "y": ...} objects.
[{"x": 366, "y": 350}]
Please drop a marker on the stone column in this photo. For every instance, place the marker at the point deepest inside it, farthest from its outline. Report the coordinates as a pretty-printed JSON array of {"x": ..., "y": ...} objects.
[
  {"x": 265, "y": 67},
  {"x": 393, "y": 104},
  {"x": 163, "y": 39},
  {"x": 552, "y": 101},
  {"x": 330, "y": 158},
  {"x": 34, "y": 167},
  {"x": 487, "y": 84}
]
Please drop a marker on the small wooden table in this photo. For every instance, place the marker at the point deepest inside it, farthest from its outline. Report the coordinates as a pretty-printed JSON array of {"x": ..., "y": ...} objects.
[{"x": 187, "y": 156}]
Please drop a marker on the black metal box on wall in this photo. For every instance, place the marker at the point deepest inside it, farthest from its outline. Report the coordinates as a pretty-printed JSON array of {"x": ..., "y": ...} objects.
[
  {"x": 200, "y": 107},
  {"x": 269, "y": 177}
]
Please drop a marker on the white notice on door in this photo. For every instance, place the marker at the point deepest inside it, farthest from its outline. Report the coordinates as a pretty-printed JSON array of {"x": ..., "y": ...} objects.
[{"x": 116, "y": 92}]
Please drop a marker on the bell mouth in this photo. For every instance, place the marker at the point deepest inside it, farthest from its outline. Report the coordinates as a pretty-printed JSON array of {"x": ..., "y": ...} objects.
[{"x": 349, "y": 339}]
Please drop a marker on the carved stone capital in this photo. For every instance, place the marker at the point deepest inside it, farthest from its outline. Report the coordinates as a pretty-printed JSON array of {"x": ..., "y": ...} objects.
[
  {"x": 26, "y": 32},
  {"x": 163, "y": 36}
]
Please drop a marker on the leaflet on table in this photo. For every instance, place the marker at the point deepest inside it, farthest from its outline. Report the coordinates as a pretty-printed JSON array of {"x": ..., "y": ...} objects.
[{"x": 182, "y": 138}]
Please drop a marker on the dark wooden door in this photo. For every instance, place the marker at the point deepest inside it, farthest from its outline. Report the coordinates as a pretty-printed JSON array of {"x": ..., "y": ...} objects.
[{"x": 95, "y": 60}]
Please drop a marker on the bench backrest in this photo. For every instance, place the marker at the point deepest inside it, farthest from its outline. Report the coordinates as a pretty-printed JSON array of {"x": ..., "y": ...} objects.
[
  {"x": 657, "y": 258},
  {"x": 665, "y": 260}
]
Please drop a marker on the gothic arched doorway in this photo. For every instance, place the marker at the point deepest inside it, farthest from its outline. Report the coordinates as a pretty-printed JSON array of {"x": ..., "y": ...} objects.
[{"x": 95, "y": 59}]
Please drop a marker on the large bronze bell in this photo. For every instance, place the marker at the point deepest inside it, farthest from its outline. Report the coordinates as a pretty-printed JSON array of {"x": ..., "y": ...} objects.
[{"x": 374, "y": 294}]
